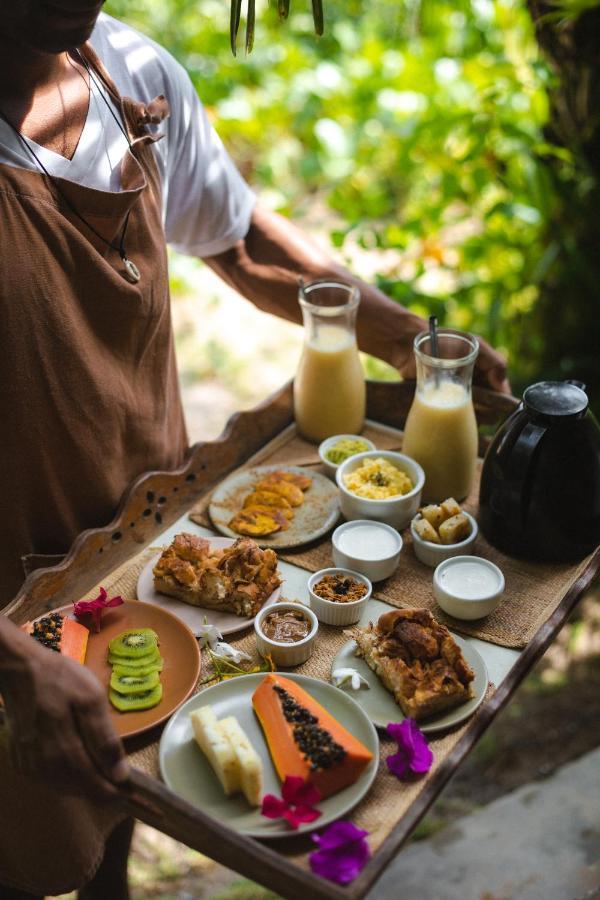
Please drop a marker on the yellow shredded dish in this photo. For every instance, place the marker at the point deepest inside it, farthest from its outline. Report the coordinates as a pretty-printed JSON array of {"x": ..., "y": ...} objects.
[{"x": 377, "y": 479}]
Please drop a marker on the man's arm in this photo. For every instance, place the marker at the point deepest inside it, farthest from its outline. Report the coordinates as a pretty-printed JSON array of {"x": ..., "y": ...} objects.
[{"x": 266, "y": 264}]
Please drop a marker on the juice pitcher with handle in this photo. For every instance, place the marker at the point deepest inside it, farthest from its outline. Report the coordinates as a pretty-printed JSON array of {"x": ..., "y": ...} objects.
[
  {"x": 441, "y": 430},
  {"x": 329, "y": 388}
]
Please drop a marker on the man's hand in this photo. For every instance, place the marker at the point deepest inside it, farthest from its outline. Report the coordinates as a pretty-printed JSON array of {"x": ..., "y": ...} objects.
[
  {"x": 490, "y": 368},
  {"x": 265, "y": 266},
  {"x": 60, "y": 729}
]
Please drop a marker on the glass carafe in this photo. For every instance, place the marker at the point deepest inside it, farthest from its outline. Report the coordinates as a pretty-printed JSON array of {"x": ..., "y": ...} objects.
[
  {"x": 441, "y": 431},
  {"x": 329, "y": 388}
]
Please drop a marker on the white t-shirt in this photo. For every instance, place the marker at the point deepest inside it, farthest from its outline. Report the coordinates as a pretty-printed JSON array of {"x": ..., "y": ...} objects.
[{"x": 206, "y": 203}]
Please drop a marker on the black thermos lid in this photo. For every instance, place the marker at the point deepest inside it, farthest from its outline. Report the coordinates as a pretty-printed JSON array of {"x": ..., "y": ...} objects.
[{"x": 556, "y": 400}]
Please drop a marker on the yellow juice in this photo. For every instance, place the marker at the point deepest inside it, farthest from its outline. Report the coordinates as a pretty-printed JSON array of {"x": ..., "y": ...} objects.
[
  {"x": 441, "y": 434},
  {"x": 329, "y": 388}
]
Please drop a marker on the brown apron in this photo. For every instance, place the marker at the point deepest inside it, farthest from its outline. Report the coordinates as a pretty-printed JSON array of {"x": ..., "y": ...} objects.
[
  {"x": 90, "y": 399},
  {"x": 89, "y": 395}
]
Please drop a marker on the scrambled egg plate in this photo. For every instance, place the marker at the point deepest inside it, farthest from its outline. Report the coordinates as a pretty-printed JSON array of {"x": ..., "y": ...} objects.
[{"x": 377, "y": 479}]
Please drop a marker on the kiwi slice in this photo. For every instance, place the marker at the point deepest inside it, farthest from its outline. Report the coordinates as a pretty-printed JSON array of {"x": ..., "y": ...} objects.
[
  {"x": 120, "y": 667},
  {"x": 134, "y": 642},
  {"x": 133, "y": 684},
  {"x": 145, "y": 700},
  {"x": 137, "y": 661}
]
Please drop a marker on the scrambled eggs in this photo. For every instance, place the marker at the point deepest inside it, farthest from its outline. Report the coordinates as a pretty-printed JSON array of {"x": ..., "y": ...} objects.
[{"x": 377, "y": 479}]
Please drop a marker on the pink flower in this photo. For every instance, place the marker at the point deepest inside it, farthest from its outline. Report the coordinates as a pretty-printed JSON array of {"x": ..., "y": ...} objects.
[
  {"x": 343, "y": 852},
  {"x": 95, "y": 607},
  {"x": 414, "y": 756},
  {"x": 297, "y": 805}
]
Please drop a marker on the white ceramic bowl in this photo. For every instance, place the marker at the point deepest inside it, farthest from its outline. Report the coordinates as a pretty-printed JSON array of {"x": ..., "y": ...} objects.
[
  {"x": 464, "y": 600},
  {"x": 396, "y": 511},
  {"x": 365, "y": 561},
  {"x": 433, "y": 554},
  {"x": 284, "y": 654},
  {"x": 328, "y": 611},
  {"x": 330, "y": 467}
]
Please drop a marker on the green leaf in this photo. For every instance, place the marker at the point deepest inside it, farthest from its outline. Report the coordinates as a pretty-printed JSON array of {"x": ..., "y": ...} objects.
[
  {"x": 234, "y": 23},
  {"x": 250, "y": 21},
  {"x": 317, "y": 8}
]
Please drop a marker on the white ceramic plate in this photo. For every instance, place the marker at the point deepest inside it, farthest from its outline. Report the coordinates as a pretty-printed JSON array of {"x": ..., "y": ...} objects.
[
  {"x": 195, "y": 616},
  {"x": 186, "y": 771},
  {"x": 381, "y": 707},
  {"x": 314, "y": 518}
]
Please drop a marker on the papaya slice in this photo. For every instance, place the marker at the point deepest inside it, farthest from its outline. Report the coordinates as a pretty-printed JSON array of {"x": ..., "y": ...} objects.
[
  {"x": 73, "y": 640},
  {"x": 304, "y": 739},
  {"x": 62, "y": 634}
]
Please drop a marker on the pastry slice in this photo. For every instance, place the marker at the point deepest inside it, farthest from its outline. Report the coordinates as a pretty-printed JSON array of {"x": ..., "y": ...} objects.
[
  {"x": 237, "y": 579},
  {"x": 302, "y": 481},
  {"x": 258, "y": 521},
  {"x": 417, "y": 660},
  {"x": 286, "y": 489},
  {"x": 270, "y": 498}
]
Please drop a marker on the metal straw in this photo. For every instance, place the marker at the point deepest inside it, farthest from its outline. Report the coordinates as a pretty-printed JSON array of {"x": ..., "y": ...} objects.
[{"x": 433, "y": 340}]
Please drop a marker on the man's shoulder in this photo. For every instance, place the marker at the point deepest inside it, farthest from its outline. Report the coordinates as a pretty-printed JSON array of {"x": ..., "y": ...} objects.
[{"x": 139, "y": 66}]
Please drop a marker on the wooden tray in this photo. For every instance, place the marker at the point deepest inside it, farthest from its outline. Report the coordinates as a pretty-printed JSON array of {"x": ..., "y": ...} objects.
[{"x": 155, "y": 501}]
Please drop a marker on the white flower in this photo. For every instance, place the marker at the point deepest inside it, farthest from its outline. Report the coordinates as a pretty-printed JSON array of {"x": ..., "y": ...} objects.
[
  {"x": 208, "y": 635},
  {"x": 348, "y": 678},
  {"x": 226, "y": 651}
]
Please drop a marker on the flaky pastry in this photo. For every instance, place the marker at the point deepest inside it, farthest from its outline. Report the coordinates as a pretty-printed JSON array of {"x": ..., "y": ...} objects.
[
  {"x": 237, "y": 579},
  {"x": 417, "y": 660}
]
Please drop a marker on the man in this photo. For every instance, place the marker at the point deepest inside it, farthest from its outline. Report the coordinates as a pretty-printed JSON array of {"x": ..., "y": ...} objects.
[{"x": 89, "y": 197}]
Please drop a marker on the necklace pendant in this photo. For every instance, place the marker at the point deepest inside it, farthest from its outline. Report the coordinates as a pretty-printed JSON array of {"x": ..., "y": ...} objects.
[{"x": 132, "y": 271}]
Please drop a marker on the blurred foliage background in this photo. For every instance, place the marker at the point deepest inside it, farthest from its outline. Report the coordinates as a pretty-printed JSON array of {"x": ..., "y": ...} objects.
[{"x": 427, "y": 134}]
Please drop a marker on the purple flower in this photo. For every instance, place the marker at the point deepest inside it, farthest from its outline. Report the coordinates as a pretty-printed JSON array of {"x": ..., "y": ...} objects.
[
  {"x": 297, "y": 805},
  {"x": 343, "y": 852},
  {"x": 95, "y": 607},
  {"x": 413, "y": 756}
]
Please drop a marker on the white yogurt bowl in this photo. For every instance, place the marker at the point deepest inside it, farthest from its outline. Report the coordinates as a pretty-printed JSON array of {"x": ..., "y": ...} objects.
[
  {"x": 468, "y": 587},
  {"x": 368, "y": 547},
  {"x": 396, "y": 511},
  {"x": 332, "y": 612},
  {"x": 331, "y": 467},
  {"x": 284, "y": 653},
  {"x": 433, "y": 554}
]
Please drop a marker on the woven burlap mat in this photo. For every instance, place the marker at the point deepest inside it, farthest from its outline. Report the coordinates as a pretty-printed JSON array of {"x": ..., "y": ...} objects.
[
  {"x": 533, "y": 590},
  {"x": 388, "y": 799}
]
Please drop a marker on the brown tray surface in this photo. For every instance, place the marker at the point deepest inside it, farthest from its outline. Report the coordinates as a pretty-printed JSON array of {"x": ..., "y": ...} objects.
[
  {"x": 533, "y": 590},
  {"x": 387, "y": 801}
]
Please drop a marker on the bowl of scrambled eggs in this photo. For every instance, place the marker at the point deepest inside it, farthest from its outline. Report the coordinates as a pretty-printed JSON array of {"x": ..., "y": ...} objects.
[{"x": 382, "y": 485}]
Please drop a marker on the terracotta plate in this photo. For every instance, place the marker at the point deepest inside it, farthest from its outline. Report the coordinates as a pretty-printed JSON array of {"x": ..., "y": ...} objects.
[
  {"x": 178, "y": 647},
  {"x": 186, "y": 770},
  {"x": 314, "y": 518},
  {"x": 195, "y": 616}
]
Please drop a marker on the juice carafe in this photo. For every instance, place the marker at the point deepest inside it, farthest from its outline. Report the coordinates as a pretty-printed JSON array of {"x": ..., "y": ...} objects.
[
  {"x": 329, "y": 388},
  {"x": 441, "y": 431}
]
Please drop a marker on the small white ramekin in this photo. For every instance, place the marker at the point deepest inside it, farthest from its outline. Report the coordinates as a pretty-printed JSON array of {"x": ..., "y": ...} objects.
[
  {"x": 328, "y": 611},
  {"x": 284, "y": 654},
  {"x": 396, "y": 511},
  {"x": 463, "y": 607},
  {"x": 433, "y": 554},
  {"x": 330, "y": 467},
  {"x": 374, "y": 569}
]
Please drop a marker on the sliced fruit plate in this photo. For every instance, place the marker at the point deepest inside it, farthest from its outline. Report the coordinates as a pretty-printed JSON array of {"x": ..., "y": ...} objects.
[{"x": 127, "y": 662}]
